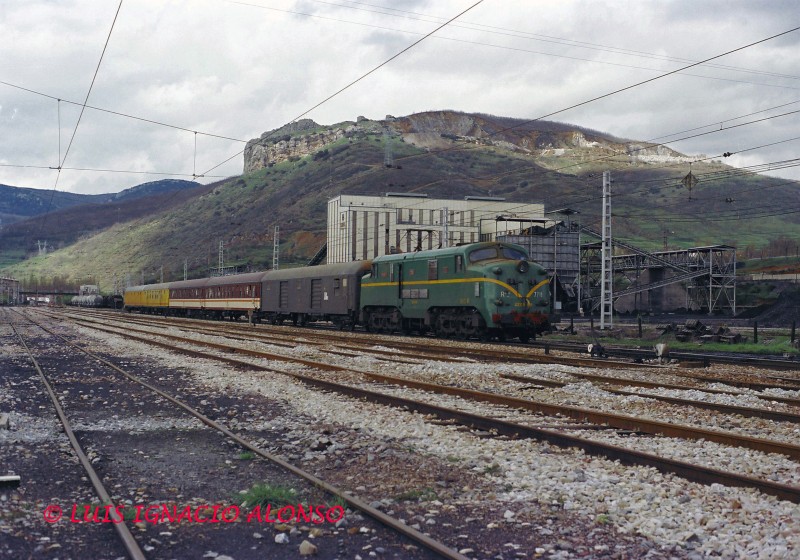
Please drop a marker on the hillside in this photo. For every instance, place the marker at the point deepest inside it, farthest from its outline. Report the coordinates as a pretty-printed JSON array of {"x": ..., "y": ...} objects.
[
  {"x": 81, "y": 215},
  {"x": 19, "y": 203},
  {"x": 292, "y": 173}
]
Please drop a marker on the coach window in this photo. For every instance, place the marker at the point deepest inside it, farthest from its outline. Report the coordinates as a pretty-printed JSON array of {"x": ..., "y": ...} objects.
[{"x": 433, "y": 269}]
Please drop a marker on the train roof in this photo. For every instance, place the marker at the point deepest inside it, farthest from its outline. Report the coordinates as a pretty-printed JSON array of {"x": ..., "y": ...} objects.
[
  {"x": 247, "y": 278},
  {"x": 194, "y": 283},
  {"x": 456, "y": 250},
  {"x": 161, "y": 286},
  {"x": 336, "y": 269}
]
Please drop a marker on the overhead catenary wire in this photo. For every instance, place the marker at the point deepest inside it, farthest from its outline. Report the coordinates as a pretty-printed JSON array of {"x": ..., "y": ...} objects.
[
  {"x": 125, "y": 115},
  {"x": 63, "y": 160},
  {"x": 150, "y": 120},
  {"x": 518, "y": 35},
  {"x": 526, "y": 122},
  {"x": 195, "y": 164},
  {"x": 557, "y": 40},
  {"x": 363, "y": 76},
  {"x": 123, "y": 171}
]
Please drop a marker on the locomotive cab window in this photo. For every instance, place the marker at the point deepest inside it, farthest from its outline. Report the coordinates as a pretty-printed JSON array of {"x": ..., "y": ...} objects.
[
  {"x": 459, "y": 263},
  {"x": 514, "y": 254},
  {"x": 483, "y": 254}
]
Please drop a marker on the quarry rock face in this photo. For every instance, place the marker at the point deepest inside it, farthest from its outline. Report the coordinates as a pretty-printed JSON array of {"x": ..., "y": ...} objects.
[
  {"x": 296, "y": 140},
  {"x": 440, "y": 129}
]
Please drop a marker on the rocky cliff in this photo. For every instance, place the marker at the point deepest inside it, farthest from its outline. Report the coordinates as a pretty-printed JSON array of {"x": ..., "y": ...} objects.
[
  {"x": 440, "y": 129},
  {"x": 291, "y": 142}
]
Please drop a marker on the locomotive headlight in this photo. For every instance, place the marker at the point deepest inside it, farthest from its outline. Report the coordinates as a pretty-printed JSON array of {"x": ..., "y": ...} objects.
[
  {"x": 497, "y": 270},
  {"x": 523, "y": 266}
]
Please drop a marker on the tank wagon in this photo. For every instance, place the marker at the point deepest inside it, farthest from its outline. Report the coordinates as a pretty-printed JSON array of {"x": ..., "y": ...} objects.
[
  {"x": 480, "y": 290},
  {"x": 88, "y": 296}
]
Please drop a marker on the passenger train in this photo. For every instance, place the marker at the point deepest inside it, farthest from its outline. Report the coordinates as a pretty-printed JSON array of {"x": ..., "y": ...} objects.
[{"x": 480, "y": 290}]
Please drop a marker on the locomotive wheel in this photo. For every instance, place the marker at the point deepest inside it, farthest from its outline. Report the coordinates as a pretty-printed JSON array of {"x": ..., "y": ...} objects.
[
  {"x": 524, "y": 338},
  {"x": 445, "y": 327}
]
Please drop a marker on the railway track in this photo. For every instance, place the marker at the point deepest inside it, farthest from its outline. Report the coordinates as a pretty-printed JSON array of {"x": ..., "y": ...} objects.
[
  {"x": 449, "y": 354},
  {"x": 690, "y": 471},
  {"x": 749, "y": 412},
  {"x": 705, "y": 358},
  {"x": 436, "y": 548},
  {"x": 623, "y": 353},
  {"x": 439, "y": 350},
  {"x": 122, "y": 530},
  {"x": 362, "y": 342}
]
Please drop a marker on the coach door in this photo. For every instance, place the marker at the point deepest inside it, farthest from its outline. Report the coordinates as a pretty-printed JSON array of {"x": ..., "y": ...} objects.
[
  {"x": 283, "y": 295},
  {"x": 316, "y": 293}
]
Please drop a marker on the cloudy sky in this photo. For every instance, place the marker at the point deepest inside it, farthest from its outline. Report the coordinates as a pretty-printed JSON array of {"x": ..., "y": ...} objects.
[{"x": 232, "y": 70}]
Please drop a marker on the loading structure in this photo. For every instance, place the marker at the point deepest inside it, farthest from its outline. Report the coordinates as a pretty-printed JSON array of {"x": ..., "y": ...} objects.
[{"x": 698, "y": 278}]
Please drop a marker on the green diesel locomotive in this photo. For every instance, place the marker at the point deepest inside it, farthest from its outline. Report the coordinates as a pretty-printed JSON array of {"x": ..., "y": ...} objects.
[{"x": 483, "y": 290}]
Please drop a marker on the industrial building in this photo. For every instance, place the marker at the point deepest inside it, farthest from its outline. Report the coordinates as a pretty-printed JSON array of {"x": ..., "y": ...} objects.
[
  {"x": 700, "y": 278},
  {"x": 9, "y": 291},
  {"x": 364, "y": 227}
]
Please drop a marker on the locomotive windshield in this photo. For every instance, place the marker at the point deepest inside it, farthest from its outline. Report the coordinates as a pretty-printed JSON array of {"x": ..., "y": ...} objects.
[
  {"x": 514, "y": 254},
  {"x": 488, "y": 253},
  {"x": 483, "y": 254}
]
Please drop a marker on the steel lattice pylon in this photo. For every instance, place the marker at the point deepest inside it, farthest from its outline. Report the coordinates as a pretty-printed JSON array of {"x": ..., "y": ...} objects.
[{"x": 606, "y": 264}]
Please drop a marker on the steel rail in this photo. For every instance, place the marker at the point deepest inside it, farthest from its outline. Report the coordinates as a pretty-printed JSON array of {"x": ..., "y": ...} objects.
[
  {"x": 432, "y": 545},
  {"x": 621, "y": 421},
  {"x": 719, "y": 407},
  {"x": 695, "y": 473},
  {"x": 656, "y": 385},
  {"x": 773, "y": 363},
  {"x": 484, "y": 354},
  {"x": 254, "y": 336},
  {"x": 496, "y": 355},
  {"x": 128, "y": 541}
]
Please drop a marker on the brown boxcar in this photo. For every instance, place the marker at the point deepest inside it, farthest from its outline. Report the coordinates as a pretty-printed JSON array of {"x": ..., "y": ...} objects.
[{"x": 316, "y": 293}]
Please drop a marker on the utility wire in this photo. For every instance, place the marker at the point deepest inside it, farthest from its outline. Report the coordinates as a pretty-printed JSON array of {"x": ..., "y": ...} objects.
[
  {"x": 124, "y": 171},
  {"x": 508, "y": 33},
  {"x": 120, "y": 114},
  {"x": 381, "y": 65},
  {"x": 88, "y": 93},
  {"x": 63, "y": 160},
  {"x": 626, "y": 88}
]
